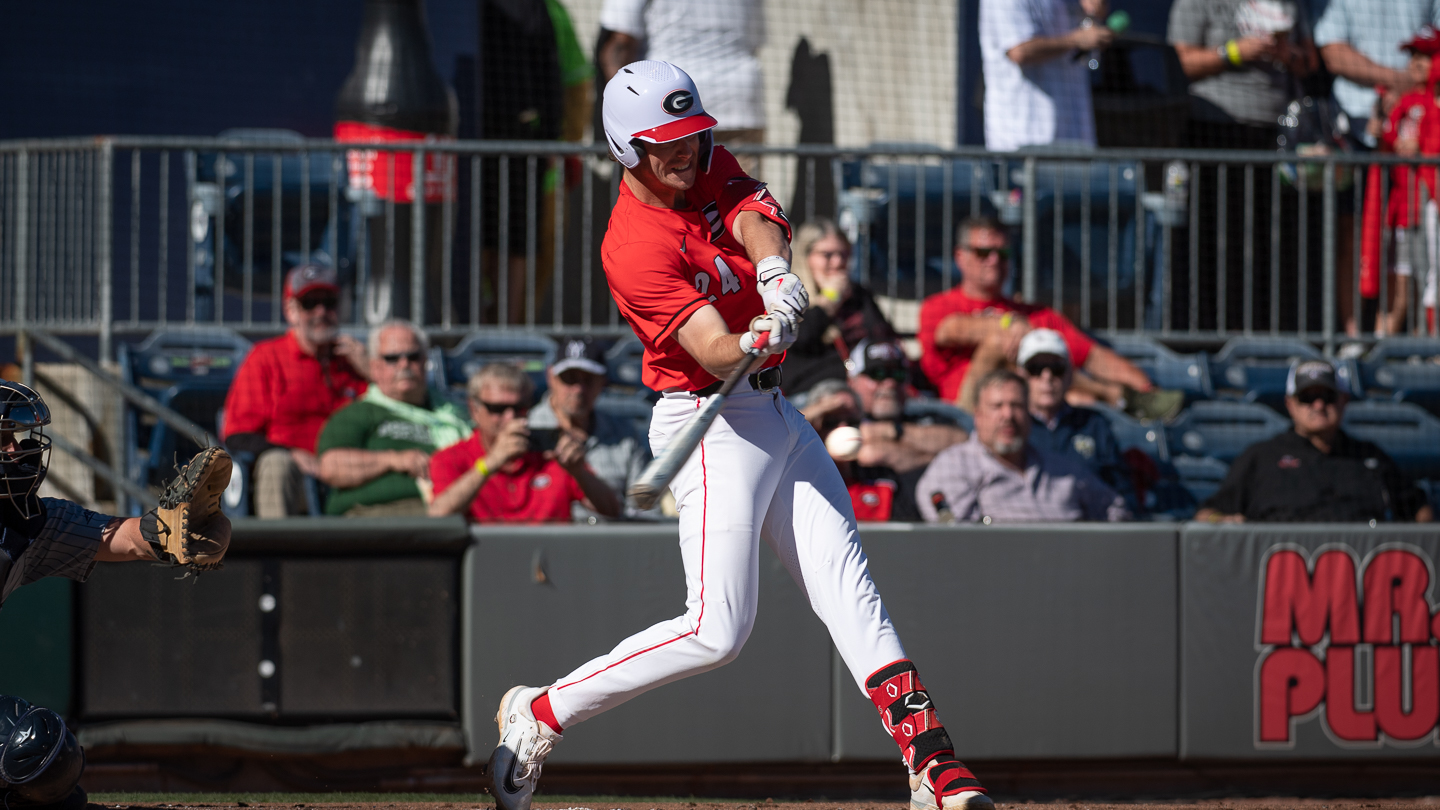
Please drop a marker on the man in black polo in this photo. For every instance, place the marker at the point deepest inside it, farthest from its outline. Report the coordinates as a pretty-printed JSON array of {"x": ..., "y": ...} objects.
[{"x": 1315, "y": 472}]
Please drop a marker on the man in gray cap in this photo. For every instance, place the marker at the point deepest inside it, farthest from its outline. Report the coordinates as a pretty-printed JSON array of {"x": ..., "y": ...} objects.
[{"x": 1315, "y": 472}]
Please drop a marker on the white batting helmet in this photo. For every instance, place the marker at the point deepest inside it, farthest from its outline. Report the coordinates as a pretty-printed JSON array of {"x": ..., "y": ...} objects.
[{"x": 654, "y": 102}]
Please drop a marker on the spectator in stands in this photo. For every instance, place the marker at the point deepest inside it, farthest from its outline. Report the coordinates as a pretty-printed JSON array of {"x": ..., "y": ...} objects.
[
  {"x": 998, "y": 476},
  {"x": 877, "y": 493},
  {"x": 1058, "y": 428},
  {"x": 1360, "y": 42},
  {"x": 717, "y": 43},
  {"x": 1315, "y": 472},
  {"x": 288, "y": 386},
  {"x": 1036, "y": 91},
  {"x": 842, "y": 313},
  {"x": 375, "y": 452},
  {"x": 499, "y": 475},
  {"x": 613, "y": 450},
  {"x": 974, "y": 328}
]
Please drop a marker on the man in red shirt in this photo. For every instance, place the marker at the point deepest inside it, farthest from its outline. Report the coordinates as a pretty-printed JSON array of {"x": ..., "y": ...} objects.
[
  {"x": 698, "y": 259},
  {"x": 973, "y": 329},
  {"x": 288, "y": 386},
  {"x": 495, "y": 477}
]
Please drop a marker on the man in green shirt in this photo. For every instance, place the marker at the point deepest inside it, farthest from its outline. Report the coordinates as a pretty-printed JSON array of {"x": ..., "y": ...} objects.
[{"x": 375, "y": 452}]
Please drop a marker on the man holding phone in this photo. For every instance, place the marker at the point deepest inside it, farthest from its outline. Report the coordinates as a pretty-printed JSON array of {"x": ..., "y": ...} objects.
[{"x": 497, "y": 476}]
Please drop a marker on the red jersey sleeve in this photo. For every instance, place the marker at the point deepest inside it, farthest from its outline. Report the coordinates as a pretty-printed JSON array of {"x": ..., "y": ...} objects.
[
  {"x": 249, "y": 405},
  {"x": 1076, "y": 341},
  {"x": 447, "y": 465},
  {"x": 651, "y": 288},
  {"x": 734, "y": 191}
]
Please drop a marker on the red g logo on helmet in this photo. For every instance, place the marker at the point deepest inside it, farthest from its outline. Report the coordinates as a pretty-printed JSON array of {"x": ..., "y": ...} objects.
[{"x": 678, "y": 102}]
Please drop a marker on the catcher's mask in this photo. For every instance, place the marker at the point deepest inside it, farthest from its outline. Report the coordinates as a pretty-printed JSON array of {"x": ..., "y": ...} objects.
[
  {"x": 40, "y": 760},
  {"x": 24, "y": 447}
]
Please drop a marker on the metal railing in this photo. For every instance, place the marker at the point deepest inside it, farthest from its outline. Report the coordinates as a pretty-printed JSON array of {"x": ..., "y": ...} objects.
[{"x": 123, "y": 235}]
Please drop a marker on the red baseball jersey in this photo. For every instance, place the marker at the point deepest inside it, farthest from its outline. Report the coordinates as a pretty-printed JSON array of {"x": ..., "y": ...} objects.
[
  {"x": 530, "y": 489},
  {"x": 665, "y": 264},
  {"x": 946, "y": 366},
  {"x": 286, "y": 395}
]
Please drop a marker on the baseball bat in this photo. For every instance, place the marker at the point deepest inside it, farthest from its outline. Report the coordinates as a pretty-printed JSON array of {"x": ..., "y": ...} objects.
[{"x": 662, "y": 469}]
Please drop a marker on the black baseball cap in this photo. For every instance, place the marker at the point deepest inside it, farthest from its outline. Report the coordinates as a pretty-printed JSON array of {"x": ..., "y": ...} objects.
[
  {"x": 876, "y": 353},
  {"x": 584, "y": 353},
  {"x": 1316, "y": 373}
]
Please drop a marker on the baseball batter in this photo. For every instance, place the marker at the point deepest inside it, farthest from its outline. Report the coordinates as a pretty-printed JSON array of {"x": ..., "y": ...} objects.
[{"x": 698, "y": 259}]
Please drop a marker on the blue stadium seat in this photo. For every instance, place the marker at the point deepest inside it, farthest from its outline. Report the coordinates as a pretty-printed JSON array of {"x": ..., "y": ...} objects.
[
  {"x": 1130, "y": 432},
  {"x": 1168, "y": 369},
  {"x": 1222, "y": 429},
  {"x": 623, "y": 406},
  {"x": 1255, "y": 368},
  {"x": 1200, "y": 475},
  {"x": 188, "y": 370},
  {"x": 531, "y": 351},
  {"x": 624, "y": 361},
  {"x": 944, "y": 413},
  {"x": 1406, "y": 369},
  {"x": 1407, "y": 432}
]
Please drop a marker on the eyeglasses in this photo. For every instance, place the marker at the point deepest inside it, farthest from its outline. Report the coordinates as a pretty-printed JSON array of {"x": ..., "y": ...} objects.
[
  {"x": 309, "y": 302},
  {"x": 1038, "y": 366},
  {"x": 983, "y": 253},
  {"x": 1326, "y": 395},
  {"x": 499, "y": 408},
  {"x": 415, "y": 358},
  {"x": 883, "y": 373}
]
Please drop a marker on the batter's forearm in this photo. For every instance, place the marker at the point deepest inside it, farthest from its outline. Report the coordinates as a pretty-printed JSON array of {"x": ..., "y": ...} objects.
[{"x": 761, "y": 237}]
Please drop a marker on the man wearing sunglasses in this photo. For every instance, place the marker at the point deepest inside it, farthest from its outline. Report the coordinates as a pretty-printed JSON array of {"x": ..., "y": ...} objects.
[
  {"x": 880, "y": 375},
  {"x": 1315, "y": 472},
  {"x": 288, "y": 386},
  {"x": 615, "y": 451},
  {"x": 1060, "y": 429},
  {"x": 974, "y": 327},
  {"x": 495, "y": 476},
  {"x": 375, "y": 452}
]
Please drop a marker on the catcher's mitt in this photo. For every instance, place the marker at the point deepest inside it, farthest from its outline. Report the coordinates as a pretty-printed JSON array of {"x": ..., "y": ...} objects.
[{"x": 188, "y": 527}]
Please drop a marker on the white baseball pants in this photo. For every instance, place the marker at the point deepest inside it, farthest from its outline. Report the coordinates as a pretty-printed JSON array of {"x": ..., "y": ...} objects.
[{"x": 761, "y": 471}]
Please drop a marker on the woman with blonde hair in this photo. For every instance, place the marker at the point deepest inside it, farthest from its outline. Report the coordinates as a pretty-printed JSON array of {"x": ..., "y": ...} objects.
[{"x": 842, "y": 313}]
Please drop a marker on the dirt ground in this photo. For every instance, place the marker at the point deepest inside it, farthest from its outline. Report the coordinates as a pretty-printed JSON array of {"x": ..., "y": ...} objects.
[{"x": 1280, "y": 803}]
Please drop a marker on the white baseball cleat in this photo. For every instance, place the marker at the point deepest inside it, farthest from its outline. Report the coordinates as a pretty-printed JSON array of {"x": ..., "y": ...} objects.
[
  {"x": 524, "y": 744},
  {"x": 922, "y": 797}
]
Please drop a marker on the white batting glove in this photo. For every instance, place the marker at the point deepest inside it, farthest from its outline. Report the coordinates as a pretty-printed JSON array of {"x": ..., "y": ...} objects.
[
  {"x": 781, "y": 289},
  {"x": 780, "y": 335}
]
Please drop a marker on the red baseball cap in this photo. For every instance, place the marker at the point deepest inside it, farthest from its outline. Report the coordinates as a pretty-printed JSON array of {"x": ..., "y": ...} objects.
[
  {"x": 306, "y": 277},
  {"x": 1426, "y": 41}
]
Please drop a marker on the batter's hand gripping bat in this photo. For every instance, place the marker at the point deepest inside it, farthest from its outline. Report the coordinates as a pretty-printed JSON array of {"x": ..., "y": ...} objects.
[{"x": 662, "y": 470}]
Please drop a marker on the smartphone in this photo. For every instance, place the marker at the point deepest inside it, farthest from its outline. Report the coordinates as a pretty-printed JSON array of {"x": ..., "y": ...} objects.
[{"x": 543, "y": 439}]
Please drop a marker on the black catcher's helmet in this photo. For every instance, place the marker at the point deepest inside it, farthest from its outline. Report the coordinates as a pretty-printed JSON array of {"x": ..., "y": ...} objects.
[
  {"x": 24, "y": 447},
  {"x": 41, "y": 761}
]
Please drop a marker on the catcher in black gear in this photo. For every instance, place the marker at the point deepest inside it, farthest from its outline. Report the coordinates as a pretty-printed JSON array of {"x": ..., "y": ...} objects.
[{"x": 42, "y": 537}]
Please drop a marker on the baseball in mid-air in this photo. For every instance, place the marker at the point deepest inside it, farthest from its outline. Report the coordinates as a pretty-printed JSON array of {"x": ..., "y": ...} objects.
[{"x": 843, "y": 443}]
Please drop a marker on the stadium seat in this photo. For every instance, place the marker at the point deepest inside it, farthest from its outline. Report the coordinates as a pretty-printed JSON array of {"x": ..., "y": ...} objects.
[
  {"x": 623, "y": 361},
  {"x": 531, "y": 351},
  {"x": 1406, "y": 369},
  {"x": 937, "y": 411},
  {"x": 624, "y": 406},
  {"x": 1407, "y": 432},
  {"x": 1255, "y": 368},
  {"x": 188, "y": 370},
  {"x": 1131, "y": 432},
  {"x": 1200, "y": 475},
  {"x": 1182, "y": 372},
  {"x": 1222, "y": 429}
]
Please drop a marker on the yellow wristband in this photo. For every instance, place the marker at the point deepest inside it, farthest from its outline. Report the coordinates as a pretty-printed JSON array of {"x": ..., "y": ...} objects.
[
  {"x": 482, "y": 468},
  {"x": 1232, "y": 51},
  {"x": 1005, "y": 321}
]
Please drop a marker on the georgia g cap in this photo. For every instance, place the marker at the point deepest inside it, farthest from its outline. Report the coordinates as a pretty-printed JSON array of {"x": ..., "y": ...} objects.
[
  {"x": 653, "y": 102},
  {"x": 306, "y": 277}
]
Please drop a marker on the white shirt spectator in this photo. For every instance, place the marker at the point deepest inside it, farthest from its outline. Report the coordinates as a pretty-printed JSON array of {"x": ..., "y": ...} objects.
[
  {"x": 1375, "y": 28},
  {"x": 1039, "y": 104},
  {"x": 715, "y": 41}
]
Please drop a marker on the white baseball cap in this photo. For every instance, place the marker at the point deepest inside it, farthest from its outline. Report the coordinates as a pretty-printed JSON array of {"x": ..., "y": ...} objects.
[
  {"x": 1042, "y": 341},
  {"x": 654, "y": 102}
]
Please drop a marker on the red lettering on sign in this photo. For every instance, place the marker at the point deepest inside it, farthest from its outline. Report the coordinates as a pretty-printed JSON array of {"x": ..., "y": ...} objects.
[
  {"x": 1292, "y": 684},
  {"x": 1296, "y": 601},
  {"x": 1395, "y": 585},
  {"x": 1424, "y": 691},
  {"x": 1340, "y": 714}
]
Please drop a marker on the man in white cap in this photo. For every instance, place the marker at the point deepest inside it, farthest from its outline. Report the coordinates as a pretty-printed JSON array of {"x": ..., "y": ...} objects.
[
  {"x": 616, "y": 453},
  {"x": 1315, "y": 472},
  {"x": 1061, "y": 429}
]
